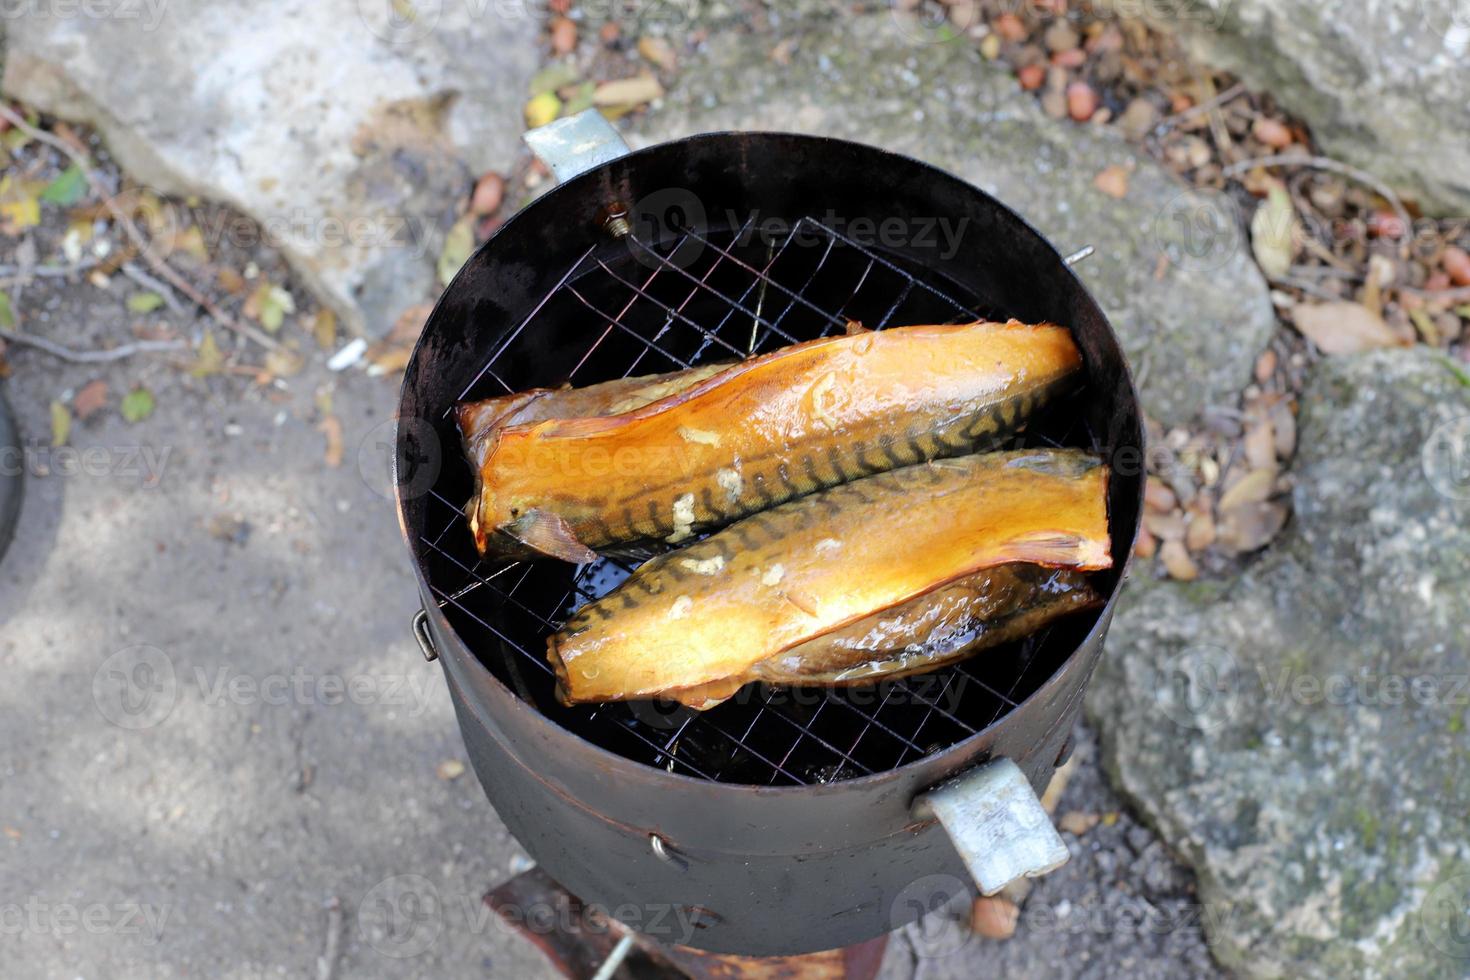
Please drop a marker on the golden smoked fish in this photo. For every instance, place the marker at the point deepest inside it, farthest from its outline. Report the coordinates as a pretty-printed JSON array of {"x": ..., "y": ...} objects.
[
  {"x": 693, "y": 624},
  {"x": 661, "y": 458}
]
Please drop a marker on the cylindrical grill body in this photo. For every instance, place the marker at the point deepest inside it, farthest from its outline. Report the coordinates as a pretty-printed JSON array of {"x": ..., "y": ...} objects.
[{"x": 770, "y": 869}]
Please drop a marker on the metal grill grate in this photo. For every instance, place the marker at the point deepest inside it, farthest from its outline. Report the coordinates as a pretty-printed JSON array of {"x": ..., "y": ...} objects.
[{"x": 706, "y": 296}]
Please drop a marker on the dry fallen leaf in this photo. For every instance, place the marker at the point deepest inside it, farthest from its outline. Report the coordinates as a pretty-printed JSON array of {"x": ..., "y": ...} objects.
[
  {"x": 1252, "y": 488},
  {"x": 1201, "y": 531},
  {"x": 89, "y": 399},
  {"x": 628, "y": 91},
  {"x": 208, "y": 359},
  {"x": 1166, "y": 527},
  {"x": 1250, "y": 526},
  {"x": 331, "y": 427},
  {"x": 1077, "y": 823},
  {"x": 60, "y": 423},
  {"x": 1112, "y": 181},
  {"x": 1273, "y": 233},
  {"x": 324, "y": 328},
  {"x": 1344, "y": 327},
  {"x": 1177, "y": 561},
  {"x": 659, "y": 51}
]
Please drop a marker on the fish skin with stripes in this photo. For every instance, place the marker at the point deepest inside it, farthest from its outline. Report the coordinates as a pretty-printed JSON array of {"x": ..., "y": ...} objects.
[
  {"x": 797, "y": 594},
  {"x": 564, "y": 473}
]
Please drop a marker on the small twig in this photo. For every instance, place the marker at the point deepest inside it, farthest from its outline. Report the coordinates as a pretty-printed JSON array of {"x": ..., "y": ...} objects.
[
  {"x": 1454, "y": 295},
  {"x": 326, "y": 964},
  {"x": 1230, "y": 93},
  {"x": 1306, "y": 286},
  {"x": 148, "y": 282},
  {"x": 1327, "y": 163},
  {"x": 89, "y": 356},
  {"x": 145, "y": 247},
  {"x": 48, "y": 271}
]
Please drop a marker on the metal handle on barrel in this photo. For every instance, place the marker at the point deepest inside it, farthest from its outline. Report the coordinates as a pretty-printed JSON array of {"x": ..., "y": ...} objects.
[
  {"x": 996, "y": 823},
  {"x": 575, "y": 144}
]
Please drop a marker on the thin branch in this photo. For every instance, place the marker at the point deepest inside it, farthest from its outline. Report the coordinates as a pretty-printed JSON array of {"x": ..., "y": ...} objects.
[
  {"x": 148, "y": 282},
  {"x": 145, "y": 247},
  {"x": 89, "y": 356},
  {"x": 1454, "y": 295},
  {"x": 1327, "y": 163},
  {"x": 1171, "y": 121},
  {"x": 47, "y": 271}
]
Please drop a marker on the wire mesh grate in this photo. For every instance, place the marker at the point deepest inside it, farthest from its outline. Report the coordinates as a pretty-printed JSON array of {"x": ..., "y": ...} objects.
[{"x": 699, "y": 298}]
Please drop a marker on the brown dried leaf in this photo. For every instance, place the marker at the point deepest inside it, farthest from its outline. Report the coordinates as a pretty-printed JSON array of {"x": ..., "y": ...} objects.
[
  {"x": 1343, "y": 327},
  {"x": 628, "y": 91},
  {"x": 1252, "y": 488},
  {"x": 659, "y": 51},
  {"x": 89, "y": 399},
  {"x": 331, "y": 427},
  {"x": 1112, "y": 181},
  {"x": 1260, "y": 443},
  {"x": 1157, "y": 495},
  {"x": 1201, "y": 531},
  {"x": 324, "y": 328},
  {"x": 1168, "y": 527},
  {"x": 1177, "y": 561},
  {"x": 1077, "y": 823},
  {"x": 1250, "y": 526}
]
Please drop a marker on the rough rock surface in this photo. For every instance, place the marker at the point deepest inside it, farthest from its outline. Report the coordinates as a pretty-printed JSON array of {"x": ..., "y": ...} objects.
[
  {"x": 1192, "y": 324},
  {"x": 349, "y": 135},
  {"x": 1373, "y": 77},
  {"x": 1299, "y": 734}
]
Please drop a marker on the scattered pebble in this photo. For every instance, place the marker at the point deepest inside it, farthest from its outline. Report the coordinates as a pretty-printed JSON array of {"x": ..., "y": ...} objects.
[
  {"x": 1031, "y": 76},
  {"x": 489, "y": 192},
  {"x": 1177, "y": 561},
  {"x": 1077, "y": 823},
  {"x": 994, "y": 917},
  {"x": 563, "y": 36},
  {"x": 1456, "y": 262},
  {"x": 1157, "y": 495},
  {"x": 1081, "y": 101},
  {"x": 449, "y": 769},
  {"x": 1272, "y": 132}
]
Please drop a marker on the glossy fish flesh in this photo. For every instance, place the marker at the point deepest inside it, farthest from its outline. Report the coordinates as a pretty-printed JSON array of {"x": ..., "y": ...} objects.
[
  {"x": 563, "y": 473},
  {"x": 695, "y": 624}
]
